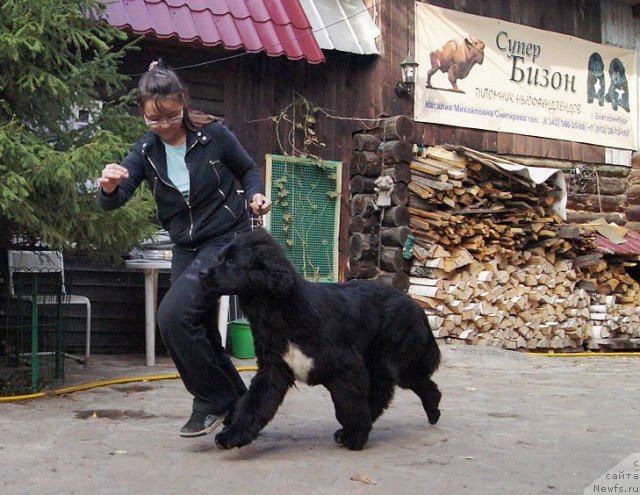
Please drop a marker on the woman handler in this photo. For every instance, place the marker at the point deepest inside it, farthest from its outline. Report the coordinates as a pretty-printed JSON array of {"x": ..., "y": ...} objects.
[{"x": 191, "y": 163}]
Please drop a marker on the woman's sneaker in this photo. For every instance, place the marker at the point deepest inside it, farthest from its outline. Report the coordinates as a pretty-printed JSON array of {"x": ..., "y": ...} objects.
[{"x": 201, "y": 423}]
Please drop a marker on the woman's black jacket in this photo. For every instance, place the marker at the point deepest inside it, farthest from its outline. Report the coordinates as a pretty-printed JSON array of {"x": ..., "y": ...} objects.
[{"x": 215, "y": 160}]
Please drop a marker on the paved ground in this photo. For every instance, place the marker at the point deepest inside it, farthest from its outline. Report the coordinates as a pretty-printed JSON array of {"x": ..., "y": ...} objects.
[{"x": 512, "y": 424}]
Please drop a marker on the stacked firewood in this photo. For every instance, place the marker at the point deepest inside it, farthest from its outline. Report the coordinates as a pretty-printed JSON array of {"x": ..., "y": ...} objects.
[
  {"x": 494, "y": 264},
  {"x": 465, "y": 203},
  {"x": 519, "y": 301},
  {"x": 615, "y": 304},
  {"x": 379, "y": 217},
  {"x": 610, "y": 194},
  {"x": 613, "y": 324}
]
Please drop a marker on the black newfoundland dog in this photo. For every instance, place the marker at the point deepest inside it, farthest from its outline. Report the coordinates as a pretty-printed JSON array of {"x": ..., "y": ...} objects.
[{"x": 358, "y": 339}]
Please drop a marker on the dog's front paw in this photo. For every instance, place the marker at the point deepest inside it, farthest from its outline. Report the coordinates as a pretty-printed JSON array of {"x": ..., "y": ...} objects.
[
  {"x": 228, "y": 439},
  {"x": 223, "y": 442},
  {"x": 355, "y": 441}
]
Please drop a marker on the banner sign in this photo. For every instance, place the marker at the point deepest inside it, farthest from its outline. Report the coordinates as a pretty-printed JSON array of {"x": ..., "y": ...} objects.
[{"x": 490, "y": 74}]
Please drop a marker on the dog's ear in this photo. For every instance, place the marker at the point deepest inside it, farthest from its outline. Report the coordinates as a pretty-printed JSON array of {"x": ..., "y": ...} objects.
[
  {"x": 276, "y": 273},
  {"x": 279, "y": 279}
]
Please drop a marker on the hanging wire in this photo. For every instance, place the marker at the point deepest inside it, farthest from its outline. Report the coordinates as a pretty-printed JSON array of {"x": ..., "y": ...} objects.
[{"x": 327, "y": 112}]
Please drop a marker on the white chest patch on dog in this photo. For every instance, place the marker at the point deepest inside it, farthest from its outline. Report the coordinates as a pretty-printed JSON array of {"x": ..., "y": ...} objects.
[{"x": 299, "y": 362}]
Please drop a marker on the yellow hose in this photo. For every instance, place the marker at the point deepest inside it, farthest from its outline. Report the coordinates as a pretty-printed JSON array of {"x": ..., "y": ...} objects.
[
  {"x": 104, "y": 383},
  {"x": 151, "y": 378},
  {"x": 589, "y": 354}
]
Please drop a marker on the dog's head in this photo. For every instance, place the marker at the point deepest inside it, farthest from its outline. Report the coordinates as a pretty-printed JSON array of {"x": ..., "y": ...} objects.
[{"x": 251, "y": 263}]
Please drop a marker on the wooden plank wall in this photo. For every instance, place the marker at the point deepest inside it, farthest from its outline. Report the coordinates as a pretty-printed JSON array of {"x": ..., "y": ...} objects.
[
  {"x": 340, "y": 87},
  {"x": 117, "y": 305},
  {"x": 206, "y": 87},
  {"x": 621, "y": 29}
]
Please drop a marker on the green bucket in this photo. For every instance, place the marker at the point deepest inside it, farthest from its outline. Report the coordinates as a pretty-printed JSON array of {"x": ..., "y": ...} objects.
[{"x": 242, "y": 339}]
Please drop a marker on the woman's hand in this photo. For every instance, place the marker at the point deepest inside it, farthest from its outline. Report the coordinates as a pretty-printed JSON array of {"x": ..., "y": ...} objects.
[
  {"x": 260, "y": 204},
  {"x": 112, "y": 175}
]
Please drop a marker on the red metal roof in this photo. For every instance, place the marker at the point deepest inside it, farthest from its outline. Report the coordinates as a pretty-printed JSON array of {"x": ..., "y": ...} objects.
[
  {"x": 631, "y": 246},
  {"x": 276, "y": 27}
]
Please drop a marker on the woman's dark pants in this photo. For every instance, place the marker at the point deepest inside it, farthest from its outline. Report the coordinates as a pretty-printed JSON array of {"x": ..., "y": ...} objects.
[{"x": 187, "y": 318}]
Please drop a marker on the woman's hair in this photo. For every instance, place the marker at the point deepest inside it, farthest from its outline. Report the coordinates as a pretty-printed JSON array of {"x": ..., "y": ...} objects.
[{"x": 161, "y": 82}]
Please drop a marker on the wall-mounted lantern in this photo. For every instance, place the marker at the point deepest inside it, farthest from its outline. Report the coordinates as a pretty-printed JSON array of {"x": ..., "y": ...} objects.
[{"x": 409, "y": 71}]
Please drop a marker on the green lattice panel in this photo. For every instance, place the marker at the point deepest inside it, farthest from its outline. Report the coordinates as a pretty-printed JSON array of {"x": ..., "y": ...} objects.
[{"x": 305, "y": 213}]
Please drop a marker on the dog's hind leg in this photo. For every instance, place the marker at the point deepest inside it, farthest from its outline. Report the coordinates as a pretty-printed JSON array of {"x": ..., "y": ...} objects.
[
  {"x": 349, "y": 393},
  {"x": 426, "y": 389},
  {"x": 381, "y": 388}
]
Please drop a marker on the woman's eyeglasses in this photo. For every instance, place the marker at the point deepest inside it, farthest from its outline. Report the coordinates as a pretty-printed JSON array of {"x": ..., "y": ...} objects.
[{"x": 171, "y": 120}]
